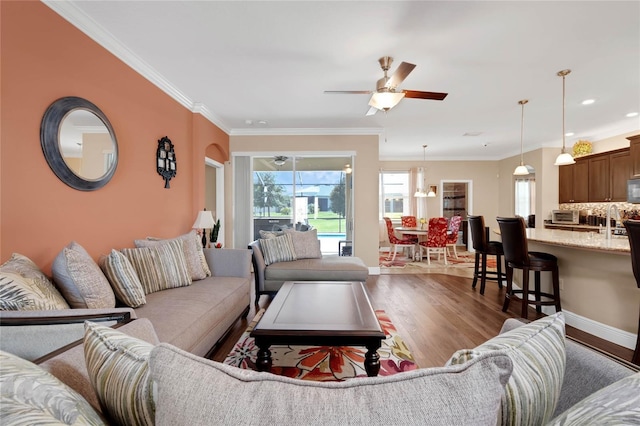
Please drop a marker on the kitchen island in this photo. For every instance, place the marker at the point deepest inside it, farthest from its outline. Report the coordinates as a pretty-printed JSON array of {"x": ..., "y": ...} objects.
[{"x": 598, "y": 291}]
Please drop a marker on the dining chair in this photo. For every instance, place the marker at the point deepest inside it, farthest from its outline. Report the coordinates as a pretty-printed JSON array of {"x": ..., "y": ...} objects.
[
  {"x": 633, "y": 233},
  {"x": 517, "y": 256},
  {"x": 452, "y": 234},
  {"x": 410, "y": 222},
  {"x": 436, "y": 238},
  {"x": 396, "y": 242}
]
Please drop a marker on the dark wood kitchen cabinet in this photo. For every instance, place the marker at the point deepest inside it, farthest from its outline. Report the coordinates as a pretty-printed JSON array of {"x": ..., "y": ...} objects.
[
  {"x": 597, "y": 178},
  {"x": 608, "y": 175},
  {"x": 574, "y": 182},
  {"x": 634, "y": 148},
  {"x": 620, "y": 165}
]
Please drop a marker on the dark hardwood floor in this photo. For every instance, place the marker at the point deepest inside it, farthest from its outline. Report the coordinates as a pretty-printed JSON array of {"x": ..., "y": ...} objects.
[{"x": 436, "y": 315}]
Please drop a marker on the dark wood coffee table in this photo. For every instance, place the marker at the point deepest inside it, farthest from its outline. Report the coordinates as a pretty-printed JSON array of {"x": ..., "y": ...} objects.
[{"x": 328, "y": 313}]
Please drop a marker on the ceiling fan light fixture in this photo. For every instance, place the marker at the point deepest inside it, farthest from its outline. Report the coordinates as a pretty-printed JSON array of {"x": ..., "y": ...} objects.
[
  {"x": 385, "y": 100},
  {"x": 279, "y": 161}
]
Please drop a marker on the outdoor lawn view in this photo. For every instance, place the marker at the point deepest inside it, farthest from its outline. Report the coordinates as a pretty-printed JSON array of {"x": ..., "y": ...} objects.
[{"x": 315, "y": 199}]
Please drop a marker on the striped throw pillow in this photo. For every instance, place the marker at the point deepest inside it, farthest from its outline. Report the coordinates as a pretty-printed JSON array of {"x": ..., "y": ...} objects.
[
  {"x": 279, "y": 249},
  {"x": 538, "y": 354},
  {"x": 193, "y": 254},
  {"x": 160, "y": 267},
  {"x": 123, "y": 279},
  {"x": 118, "y": 367}
]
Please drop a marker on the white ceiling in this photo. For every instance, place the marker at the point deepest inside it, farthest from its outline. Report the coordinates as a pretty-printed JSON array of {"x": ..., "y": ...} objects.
[{"x": 241, "y": 62}]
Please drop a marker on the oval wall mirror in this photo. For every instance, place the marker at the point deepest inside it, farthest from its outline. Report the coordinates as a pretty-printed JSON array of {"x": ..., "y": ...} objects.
[{"x": 79, "y": 143}]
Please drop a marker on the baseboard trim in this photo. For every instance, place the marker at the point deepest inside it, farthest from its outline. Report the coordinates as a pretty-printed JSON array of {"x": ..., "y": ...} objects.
[
  {"x": 598, "y": 329},
  {"x": 374, "y": 270}
]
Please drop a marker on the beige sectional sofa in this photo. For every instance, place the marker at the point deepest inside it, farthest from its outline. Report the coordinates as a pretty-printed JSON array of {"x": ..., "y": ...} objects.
[
  {"x": 523, "y": 376},
  {"x": 193, "y": 317}
]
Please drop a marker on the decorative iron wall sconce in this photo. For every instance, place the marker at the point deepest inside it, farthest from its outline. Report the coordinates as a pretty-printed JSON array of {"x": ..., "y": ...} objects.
[{"x": 166, "y": 160}]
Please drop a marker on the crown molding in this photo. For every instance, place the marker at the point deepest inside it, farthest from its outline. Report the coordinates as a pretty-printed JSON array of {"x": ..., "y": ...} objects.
[
  {"x": 305, "y": 132},
  {"x": 79, "y": 19}
]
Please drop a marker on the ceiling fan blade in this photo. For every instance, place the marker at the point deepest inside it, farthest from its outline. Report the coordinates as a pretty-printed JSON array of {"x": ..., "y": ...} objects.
[
  {"x": 399, "y": 75},
  {"x": 372, "y": 111},
  {"x": 348, "y": 92},
  {"x": 436, "y": 96}
]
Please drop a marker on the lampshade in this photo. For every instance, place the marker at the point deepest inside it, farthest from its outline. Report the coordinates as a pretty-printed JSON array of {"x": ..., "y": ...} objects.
[
  {"x": 204, "y": 220},
  {"x": 521, "y": 170},
  {"x": 420, "y": 194},
  {"x": 564, "y": 158},
  {"x": 385, "y": 100}
]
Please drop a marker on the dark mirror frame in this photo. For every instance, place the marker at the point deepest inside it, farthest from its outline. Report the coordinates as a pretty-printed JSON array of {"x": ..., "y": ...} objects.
[{"x": 49, "y": 140}]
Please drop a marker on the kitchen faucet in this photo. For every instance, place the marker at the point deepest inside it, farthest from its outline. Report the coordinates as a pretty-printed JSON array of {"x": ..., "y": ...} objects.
[{"x": 609, "y": 208}]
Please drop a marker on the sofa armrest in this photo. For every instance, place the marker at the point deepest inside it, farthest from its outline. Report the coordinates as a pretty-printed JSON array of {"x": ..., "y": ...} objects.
[
  {"x": 259, "y": 265},
  {"x": 32, "y": 334},
  {"x": 229, "y": 262}
]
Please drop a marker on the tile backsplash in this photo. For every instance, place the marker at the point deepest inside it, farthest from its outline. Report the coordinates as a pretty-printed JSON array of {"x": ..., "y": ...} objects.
[{"x": 600, "y": 209}]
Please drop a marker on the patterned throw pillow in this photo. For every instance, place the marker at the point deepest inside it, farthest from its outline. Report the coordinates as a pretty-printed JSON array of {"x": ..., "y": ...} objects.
[
  {"x": 123, "y": 278},
  {"x": 193, "y": 254},
  {"x": 30, "y": 395},
  {"x": 279, "y": 249},
  {"x": 118, "y": 367},
  {"x": 80, "y": 279},
  {"x": 305, "y": 243},
  {"x": 23, "y": 286},
  {"x": 160, "y": 267},
  {"x": 616, "y": 404},
  {"x": 270, "y": 234},
  {"x": 538, "y": 354}
]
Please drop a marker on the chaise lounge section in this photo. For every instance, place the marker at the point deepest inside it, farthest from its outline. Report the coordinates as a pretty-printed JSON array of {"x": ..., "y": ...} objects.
[{"x": 269, "y": 276}]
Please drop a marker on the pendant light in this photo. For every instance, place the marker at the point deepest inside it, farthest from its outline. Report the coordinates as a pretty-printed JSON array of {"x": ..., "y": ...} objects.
[
  {"x": 521, "y": 170},
  {"x": 422, "y": 192},
  {"x": 564, "y": 158}
]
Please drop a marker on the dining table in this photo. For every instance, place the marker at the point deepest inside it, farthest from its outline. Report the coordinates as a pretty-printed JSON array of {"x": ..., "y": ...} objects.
[{"x": 421, "y": 233}]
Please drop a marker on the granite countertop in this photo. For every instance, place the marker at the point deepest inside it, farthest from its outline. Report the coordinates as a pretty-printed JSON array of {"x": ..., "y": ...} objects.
[{"x": 583, "y": 240}]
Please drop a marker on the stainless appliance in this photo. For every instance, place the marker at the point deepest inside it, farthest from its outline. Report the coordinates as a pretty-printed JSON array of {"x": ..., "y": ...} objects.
[
  {"x": 633, "y": 191},
  {"x": 565, "y": 217}
]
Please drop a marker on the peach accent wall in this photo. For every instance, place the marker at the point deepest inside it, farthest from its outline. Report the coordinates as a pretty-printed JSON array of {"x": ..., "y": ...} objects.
[{"x": 45, "y": 58}]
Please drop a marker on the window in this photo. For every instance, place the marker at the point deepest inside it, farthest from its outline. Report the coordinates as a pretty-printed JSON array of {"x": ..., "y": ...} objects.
[
  {"x": 394, "y": 194},
  {"x": 525, "y": 195}
]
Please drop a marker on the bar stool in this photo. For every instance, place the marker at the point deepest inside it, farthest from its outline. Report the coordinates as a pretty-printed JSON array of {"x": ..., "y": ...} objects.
[
  {"x": 518, "y": 256},
  {"x": 483, "y": 248},
  {"x": 633, "y": 232}
]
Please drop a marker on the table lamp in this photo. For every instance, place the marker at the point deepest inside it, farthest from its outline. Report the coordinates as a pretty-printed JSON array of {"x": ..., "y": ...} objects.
[{"x": 204, "y": 221}]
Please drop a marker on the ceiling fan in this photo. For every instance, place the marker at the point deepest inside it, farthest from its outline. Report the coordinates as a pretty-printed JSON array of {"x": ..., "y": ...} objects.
[
  {"x": 386, "y": 95},
  {"x": 279, "y": 160}
]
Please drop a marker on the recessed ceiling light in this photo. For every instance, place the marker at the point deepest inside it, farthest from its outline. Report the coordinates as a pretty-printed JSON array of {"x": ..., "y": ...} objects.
[
  {"x": 472, "y": 134},
  {"x": 632, "y": 114},
  {"x": 249, "y": 122},
  {"x": 588, "y": 101},
  {"x": 569, "y": 134}
]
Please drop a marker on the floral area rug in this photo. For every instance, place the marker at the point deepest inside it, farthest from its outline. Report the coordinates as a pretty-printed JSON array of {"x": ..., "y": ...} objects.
[
  {"x": 325, "y": 363},
  {"x": 462, "y": 266}
]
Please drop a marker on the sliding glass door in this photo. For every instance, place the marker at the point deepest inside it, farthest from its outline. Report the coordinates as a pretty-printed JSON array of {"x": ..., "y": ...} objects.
[{"x": 305, "y": 192}]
